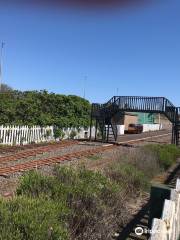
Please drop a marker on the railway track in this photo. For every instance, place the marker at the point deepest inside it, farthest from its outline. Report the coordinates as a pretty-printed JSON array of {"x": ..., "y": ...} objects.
[
  {"x": 21, "y": 167},
  {"x": 4, "y": 171},
  {"x": 15, "y": 149},
  {"x": 35, "y": 151}
]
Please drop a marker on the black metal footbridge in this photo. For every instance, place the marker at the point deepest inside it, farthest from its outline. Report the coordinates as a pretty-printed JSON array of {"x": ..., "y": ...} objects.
[{"x": 103, "y": 114}]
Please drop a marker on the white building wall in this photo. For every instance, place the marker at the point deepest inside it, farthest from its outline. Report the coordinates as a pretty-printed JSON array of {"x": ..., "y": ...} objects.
[{"x": 151, "y": 127}]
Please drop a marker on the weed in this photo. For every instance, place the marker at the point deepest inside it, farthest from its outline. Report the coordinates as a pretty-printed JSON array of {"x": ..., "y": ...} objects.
[
  {"x": 128, "y": 177},
  {"x": 94, "y": 157}
]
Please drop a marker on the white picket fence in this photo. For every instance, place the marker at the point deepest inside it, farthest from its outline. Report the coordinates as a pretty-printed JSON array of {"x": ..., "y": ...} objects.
[
  {"x": 81, "y": 133},
  {"x": 168, "y": 227},
  {"x": 22, "y": 135}
]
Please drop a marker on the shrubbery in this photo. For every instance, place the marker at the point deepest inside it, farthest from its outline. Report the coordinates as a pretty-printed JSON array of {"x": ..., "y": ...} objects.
[
  {"x": 43, "y": 108},
  {"x": 86, "y": 197},
  {"x": 58, "y": 133},
  {"x": 134, "y": 171},
  {"x": 26, "y": 218},
  {"x": 166, "y": 154},
  {"x": 73, "y": 134},
  {"x": 128, "y": 177}
]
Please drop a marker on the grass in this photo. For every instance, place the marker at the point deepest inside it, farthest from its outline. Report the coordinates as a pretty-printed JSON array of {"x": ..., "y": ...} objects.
[
  {"x": 128, "y": 177},
  {"x": 94, "y": 157}
]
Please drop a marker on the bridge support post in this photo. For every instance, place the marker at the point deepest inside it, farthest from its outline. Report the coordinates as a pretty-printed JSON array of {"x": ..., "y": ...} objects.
[
  {"x": 90, "y": 135},
  {"x": 96, "y": 130},
  {"x": 173, "y": 134},
  {"x": 176, "y": 136},
  {"x": 103, "y": 131},
  {"x": 107, "y": 137}
]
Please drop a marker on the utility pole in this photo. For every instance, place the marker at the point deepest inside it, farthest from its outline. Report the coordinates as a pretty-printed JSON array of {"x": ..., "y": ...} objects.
[
  {"x": 1, "y": 56},
  {"x": 117, "y": 91},
  {"x": 159, "y": 121}
]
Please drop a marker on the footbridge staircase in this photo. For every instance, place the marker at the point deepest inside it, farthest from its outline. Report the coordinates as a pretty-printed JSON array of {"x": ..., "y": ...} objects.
[{"x": 103, "y": 114}]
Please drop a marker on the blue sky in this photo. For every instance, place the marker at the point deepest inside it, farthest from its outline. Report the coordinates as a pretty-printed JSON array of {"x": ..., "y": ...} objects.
[{"x": 126, "y": 51}]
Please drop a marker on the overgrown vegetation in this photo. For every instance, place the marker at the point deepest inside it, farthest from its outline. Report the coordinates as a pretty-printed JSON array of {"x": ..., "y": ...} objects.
[
  {"x": 129, "y": 177},
  {"x": 73, "y": 133},
  {"x": 94, "y": 157},
  {"x": 77, "y": 203},
  {"x": 90, "y": 202},
  {"x": 58, "y": 133},
  {"x": 32, "y": 218},
  {"x": 166, "y": 155},
  {"x": 43, "y": 108},
  {"x": 136, "y": 170}
]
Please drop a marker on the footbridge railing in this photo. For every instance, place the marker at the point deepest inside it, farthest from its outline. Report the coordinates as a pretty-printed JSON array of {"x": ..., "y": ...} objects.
[{"x": 142, "y": 104}]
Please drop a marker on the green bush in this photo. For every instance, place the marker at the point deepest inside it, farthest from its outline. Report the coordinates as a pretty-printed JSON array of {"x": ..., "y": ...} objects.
[
  {"x": 73, "y": 134},
  {"x": 34, "y": 184},
  {"x": 89, "y": 196},
  {"x": 68, "y": 184},
  {"x": 166, "y": 154},
  {"x": 58, "y": 133},
  {"x": 24, "y": 218},
  {"x": 43, "y": 108}
]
